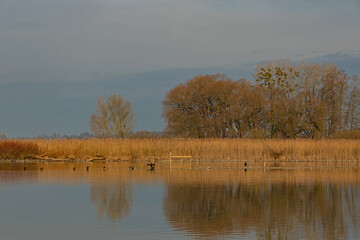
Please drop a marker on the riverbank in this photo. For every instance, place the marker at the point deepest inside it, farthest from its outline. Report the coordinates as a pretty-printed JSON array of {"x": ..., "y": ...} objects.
[{"x": 199, "y": 149}]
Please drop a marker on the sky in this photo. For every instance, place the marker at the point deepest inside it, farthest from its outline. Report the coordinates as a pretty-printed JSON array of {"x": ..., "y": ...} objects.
[{"x": 56, "y": 57}]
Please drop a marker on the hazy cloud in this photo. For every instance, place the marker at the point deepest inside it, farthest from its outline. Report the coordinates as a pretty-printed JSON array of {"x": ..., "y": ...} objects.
[
  {"x": 57, "y": 56},
  {"x": 72, "y": 39}
]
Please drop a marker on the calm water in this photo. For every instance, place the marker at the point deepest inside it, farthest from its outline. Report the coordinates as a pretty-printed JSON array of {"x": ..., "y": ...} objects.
[{"x": 117, "y": 203}]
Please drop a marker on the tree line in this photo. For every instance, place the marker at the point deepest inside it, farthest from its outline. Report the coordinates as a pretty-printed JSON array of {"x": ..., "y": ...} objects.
[{"x": 283, "y": 100}]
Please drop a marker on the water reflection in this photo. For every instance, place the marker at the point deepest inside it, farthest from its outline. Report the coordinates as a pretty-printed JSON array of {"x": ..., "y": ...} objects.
[
  {"x": 272, "y": 210},
  {"x": 301, "y": 204},
  {"x": 112, "y": 201}
]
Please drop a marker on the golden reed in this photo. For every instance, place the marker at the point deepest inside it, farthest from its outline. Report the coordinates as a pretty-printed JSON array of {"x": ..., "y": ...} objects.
[{"x": 200, "y": 149}]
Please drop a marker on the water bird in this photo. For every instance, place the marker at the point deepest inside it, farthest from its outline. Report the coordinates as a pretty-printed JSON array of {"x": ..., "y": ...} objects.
[
  {"x": 104, "y": 168},
  {"x": 41, "y": 169},
  {"x": 132, "y": 168},
  {"x": 245, "y": 164},
  {"x": 151, "y": 165},
  {"x": 87, "y": 168},
  {"x": 73, "y": 168},
  {"x": 24, "y": 168}
]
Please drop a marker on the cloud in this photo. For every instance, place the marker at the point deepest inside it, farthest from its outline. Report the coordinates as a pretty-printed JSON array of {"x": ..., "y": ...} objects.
[
  {"x": 349, "y": 60},
  {"x": 57, "y": 56},
  {"x": 71, "y": 40}
]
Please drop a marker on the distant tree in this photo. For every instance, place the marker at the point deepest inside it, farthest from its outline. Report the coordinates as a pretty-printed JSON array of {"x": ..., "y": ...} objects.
[
  {"x": 146, "y": 134},
  {"x": 85, "y": 135},
  {"x": 113, "y": 119},
  {"x": 2, "y": 136}
]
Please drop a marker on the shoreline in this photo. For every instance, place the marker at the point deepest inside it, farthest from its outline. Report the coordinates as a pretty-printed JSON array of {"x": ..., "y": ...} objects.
[{"x": 274, "y": 152}]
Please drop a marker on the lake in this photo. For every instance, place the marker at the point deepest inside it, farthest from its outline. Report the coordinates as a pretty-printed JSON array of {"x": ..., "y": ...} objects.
[{"x": 69, "y": 201}]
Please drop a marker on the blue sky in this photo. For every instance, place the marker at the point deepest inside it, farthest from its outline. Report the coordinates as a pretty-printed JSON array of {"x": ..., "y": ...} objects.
[{"x": 56, "y": 57}]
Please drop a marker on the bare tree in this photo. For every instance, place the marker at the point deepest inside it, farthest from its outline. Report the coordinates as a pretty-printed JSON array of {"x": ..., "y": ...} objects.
[
  {"x": 114, "y": 118},
  {"x": 352, "y": 114},
  {"x": 2, "y": 136}
]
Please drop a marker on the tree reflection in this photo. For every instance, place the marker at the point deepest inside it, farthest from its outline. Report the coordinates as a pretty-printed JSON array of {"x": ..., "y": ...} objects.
[
  {"x": 113, "y": 201},
  {"x": 273, "y": 211}
]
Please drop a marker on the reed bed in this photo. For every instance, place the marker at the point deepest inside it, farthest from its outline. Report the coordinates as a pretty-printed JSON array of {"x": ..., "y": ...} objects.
[
  {"x": 18, "y": 149},
  {"x": 199, "y": 149}
]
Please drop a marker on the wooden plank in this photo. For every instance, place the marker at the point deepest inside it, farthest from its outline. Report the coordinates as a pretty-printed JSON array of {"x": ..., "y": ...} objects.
[{"x": 180, "y": 156}]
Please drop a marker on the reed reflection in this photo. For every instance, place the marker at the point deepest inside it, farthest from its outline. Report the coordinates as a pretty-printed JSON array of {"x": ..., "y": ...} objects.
[
  {"x": 112, "y": 201},
  {"x": 273, "y": 211}
]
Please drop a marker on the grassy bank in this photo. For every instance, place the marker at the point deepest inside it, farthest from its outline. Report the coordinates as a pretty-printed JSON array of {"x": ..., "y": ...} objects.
[
  {"x": 199, "y": 149},
  {"x": 18, "y": 149}
]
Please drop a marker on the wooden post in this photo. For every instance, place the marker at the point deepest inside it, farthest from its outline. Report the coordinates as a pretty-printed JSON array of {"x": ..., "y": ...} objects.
[{"x": 170, "y": 160}]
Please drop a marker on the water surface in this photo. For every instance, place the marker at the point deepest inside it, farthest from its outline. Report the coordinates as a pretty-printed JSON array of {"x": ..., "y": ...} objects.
[{"x": 61, "y": 202}]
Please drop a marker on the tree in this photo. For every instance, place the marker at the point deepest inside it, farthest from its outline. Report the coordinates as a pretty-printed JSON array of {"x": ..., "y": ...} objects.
[
  {"x": 113, "y": 119},
  {"x": 290, "y": 100},
  {"x": 247, "y": 109},
  {"x": 284, "y": 111},
  {"x": 200, "y": 107},
  {"x": 308, "y": 100},
  {"x": 352, "y": 114}
]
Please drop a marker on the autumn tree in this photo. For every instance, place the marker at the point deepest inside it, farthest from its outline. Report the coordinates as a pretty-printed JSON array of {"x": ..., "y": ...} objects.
[
  {"x": 192, "y": 109},
  {"x": 114, "y": 118},
  {"x": 352, "y": 105},
  {"x": 247, "y": 109},
  {"x": 308, "y": 100},
  {"x": 201, "y": 107},
  {"x": 335, "y": 86},
  {"x": 314, "y": 106},
  {"x": 284, "y": 111},
  {"x": 214, "y": 106},
  {"x": 289, "y": 100}
]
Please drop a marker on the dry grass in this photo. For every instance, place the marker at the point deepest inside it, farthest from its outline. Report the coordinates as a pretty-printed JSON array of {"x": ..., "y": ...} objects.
[
  {"x": 199, "y": 149},
  {"x": 18, "y": 149}
]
